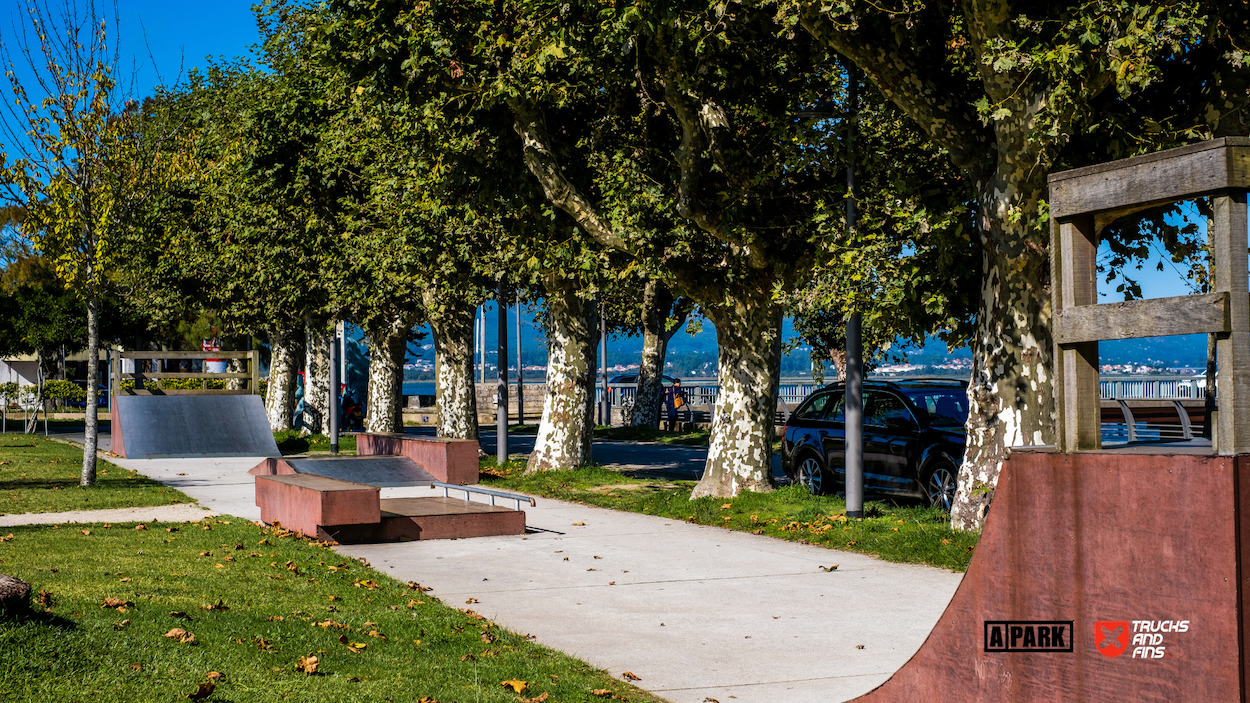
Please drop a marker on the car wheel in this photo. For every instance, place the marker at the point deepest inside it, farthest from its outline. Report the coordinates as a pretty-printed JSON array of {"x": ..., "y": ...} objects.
[
  {"x": 811, "y": 475},
  {"x": 939, "y": 487}
]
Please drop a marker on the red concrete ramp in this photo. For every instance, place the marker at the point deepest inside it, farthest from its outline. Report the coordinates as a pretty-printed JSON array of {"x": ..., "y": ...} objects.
[{"x": 1129, "y": 562}]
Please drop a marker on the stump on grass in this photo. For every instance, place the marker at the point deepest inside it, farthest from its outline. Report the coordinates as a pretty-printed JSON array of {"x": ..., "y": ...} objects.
[{"x": 14, "y": 595}]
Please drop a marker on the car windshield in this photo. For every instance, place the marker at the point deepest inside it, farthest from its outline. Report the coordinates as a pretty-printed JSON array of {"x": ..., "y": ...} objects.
[{"x": 946, "y": 407}]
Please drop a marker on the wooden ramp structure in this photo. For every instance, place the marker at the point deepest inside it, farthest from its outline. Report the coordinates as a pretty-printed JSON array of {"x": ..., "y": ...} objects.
[
  {"x": 1116, "y": 574},
  {"x": 339, "y": 499}
]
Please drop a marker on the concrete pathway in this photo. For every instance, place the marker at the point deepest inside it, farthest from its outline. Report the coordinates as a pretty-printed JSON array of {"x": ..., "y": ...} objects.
[{"x": 697, "y": 612}]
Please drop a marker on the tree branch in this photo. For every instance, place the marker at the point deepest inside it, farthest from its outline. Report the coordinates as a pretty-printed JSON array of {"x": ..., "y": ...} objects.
[
  {"x": 898, "y": 74},
  {"x": 529, "y": 124}
]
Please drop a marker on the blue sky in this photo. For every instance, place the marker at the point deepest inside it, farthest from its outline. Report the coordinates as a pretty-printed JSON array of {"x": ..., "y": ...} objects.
[{"x": 178, "y": 33}]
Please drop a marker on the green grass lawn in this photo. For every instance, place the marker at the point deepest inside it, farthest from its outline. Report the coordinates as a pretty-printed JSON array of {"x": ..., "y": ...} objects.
[
  {"x": 899, "y": 533},
  {"x": 251, "y": 602},
  {"x": 40, "y": 475},
  {"x": 291, "y": 442}
]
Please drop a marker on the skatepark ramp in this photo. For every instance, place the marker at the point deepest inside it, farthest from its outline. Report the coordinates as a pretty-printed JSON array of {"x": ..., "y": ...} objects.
[
  {"x": 148, "y": 421},
  {"x": 1116, "y": 574}
]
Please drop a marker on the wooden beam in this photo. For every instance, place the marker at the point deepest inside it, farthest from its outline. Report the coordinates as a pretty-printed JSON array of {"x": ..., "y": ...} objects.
[
  {"x": 1074, "y": 256},
  {"x": 1142, "y": 181},
  {"x": 1160, "y": 317},
  {"x": 1228, "y": 247}
]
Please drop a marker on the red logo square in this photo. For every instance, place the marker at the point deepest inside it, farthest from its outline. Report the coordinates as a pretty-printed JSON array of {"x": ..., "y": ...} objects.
[{"x": 1111, "y": 637}]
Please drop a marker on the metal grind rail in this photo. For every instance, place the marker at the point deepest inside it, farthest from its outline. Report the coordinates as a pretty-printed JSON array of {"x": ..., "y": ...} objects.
[{"x": 483, "y": 491}]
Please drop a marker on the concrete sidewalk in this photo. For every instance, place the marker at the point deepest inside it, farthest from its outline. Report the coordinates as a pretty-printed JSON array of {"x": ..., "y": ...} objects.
[{"x": 697, "y": 612}]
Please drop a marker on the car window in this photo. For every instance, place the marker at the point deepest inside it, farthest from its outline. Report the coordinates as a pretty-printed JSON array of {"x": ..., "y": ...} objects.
[
  {"x": 814, "y": 408},
  {"x": 837, "y": 409},
  {"x": 887, "y": 410},
  {"x": 944, "y": 407}
]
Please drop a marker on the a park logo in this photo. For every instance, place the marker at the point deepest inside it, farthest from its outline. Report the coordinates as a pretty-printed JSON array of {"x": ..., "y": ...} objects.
[
  {"x": 1149, "y": 637},
  {"x": 1111, "y": 636},
  {"x": 1028, "y": 636}
]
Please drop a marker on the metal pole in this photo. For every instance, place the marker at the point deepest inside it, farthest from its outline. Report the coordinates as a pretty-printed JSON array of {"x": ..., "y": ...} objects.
[
  {"x": 605, "y": 404},
  {"x": 520, "y": 367},
  {"x": 501, "y": 388},
  {"x": 342, "y": 332},
  {"x": 854, "y": 339},
  {"x": 334, "y": 395}
]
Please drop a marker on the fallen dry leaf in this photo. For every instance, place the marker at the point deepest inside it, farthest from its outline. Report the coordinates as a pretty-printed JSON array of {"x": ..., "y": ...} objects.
[
  {"x": 276, "y": 618},
  {"x": 219, "y": 605},
  {"x": 630, "y": 676},
  {"x": 7, "y": 538},
  {"x": 859, "y": 646},
  {"x": 516, "y": 685},
  {"x": 833, "y": 567},
  {"x": 121, "y": 625},
  {"x": 137, "y": 667},
  {"x": 213, "y": 676},
  {"x": 308, "y": 664},
  {"x": 426, "y": 699},
  {"x": 726, "y": 505},
  {"x": 602, "y": 693},
  {"x": 125, "y": 580},
  {"x": 116, "y": 603},
  {"x": 141, "y": 526},
  {"x": 579, "y": 524},
  {"x": 44, "y": 598},
  {"x": 181, "y": 635},
  {"x": 536, "y": 699},
  {"x": 710, "y": 700},
  {"x": 471, "y": 600},
  {"x": 85, "y": 532},
  {"x": 179, "y": 614},
  {"x": 202, "y": 691}
]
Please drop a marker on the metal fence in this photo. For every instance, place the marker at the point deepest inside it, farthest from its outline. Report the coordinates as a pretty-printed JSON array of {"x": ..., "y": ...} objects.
[
  {"x": 792, "y": 391},
  {"x": 1152, "y": 387}
]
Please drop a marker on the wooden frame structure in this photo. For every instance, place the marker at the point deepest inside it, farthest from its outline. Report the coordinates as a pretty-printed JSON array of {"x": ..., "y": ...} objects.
[
  {"x": 252, "y": 375},
  {"x": 1082, "y": 203}
]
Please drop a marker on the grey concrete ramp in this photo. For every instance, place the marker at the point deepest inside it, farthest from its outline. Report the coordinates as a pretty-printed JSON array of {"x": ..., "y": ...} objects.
[
  {"x": 381, "y": 471},
  {"x": 189, "y": 426}
]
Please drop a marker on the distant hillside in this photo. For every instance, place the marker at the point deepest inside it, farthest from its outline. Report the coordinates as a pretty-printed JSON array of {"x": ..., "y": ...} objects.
[{"x": 695, "y": 355}]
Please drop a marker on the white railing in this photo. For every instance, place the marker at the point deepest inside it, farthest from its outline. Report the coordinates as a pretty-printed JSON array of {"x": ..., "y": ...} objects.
[
  {"x": 1152, "y": 387},
  {"x": 792, "y": 391}
]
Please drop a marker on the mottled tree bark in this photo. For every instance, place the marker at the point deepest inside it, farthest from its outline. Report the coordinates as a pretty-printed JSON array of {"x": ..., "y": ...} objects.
[
  {"x": 657, "y": 302},
  {"x": 388, "y": 348},
  {"x": 318, "y": 337},
  {"x": 451, "y": 326},
  {"x": 567, "y": 426},
  {"x": 286, "y": 349},
  {"x": 740, "y": 451}
]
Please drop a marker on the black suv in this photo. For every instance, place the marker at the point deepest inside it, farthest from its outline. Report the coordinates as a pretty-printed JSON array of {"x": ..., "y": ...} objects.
[{"x": 913, "y": 438}]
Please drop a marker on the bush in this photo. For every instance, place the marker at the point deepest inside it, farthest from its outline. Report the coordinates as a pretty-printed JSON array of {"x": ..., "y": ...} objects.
[{"x": 64, "y": 390}]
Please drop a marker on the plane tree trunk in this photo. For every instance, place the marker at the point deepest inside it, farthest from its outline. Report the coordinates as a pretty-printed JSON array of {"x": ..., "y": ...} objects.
[
  {"x": 567, "y": 426},
  {"x": 318, "y": 337},
  {"x": 657, "y": 302},
  {"x": 451, "y": 326},
  {"x": 748, "y": 331},
  {"x": 286, "y": 348},
  {"x": 388, "y": 348},
  {"x": 1011, "y": 393}
]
